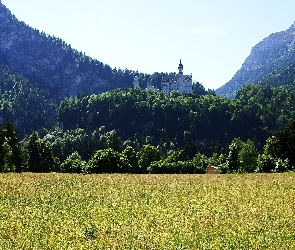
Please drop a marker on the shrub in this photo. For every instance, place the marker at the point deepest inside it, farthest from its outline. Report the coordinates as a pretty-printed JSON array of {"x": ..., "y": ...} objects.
[
  {"x": 73, "y": 164},
  {"x": 108, "y": 161},
  {"x": 179, "y": 167}
]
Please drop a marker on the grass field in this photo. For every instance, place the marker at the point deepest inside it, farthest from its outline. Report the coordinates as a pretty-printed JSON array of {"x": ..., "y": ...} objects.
[{"x": 62, "y": 211}]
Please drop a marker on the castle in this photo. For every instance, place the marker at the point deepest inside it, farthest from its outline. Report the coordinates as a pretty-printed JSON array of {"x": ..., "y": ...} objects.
[{"x": 179, "y": 82}]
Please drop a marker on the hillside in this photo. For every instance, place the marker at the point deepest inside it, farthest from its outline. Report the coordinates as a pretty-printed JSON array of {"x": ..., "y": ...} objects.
[
  {"x": 275, "y": 52},
  {"x": 38, "y": 71},
  {"x": 280, "y": 77},
  {"x": 51, "y": 63},
  {"x": 29, "y": 107}
]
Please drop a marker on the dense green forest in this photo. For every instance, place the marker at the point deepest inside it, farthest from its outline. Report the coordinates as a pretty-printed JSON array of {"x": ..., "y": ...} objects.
[
  {"x": 145, "y": 131},
  {"x": 27, "y": 106},
  {"x": 208, "y": 120}
]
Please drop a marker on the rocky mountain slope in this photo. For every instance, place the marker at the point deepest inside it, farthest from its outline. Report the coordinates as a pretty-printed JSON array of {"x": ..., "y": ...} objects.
[
  {"x": 275, "y": 52},
  {"x": 49, "y": 62}
]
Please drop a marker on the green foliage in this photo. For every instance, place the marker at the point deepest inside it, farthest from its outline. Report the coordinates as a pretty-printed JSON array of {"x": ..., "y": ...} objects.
[
  {"x": 23, "y": 103},
  {"x": 248, "y": 157},
  {"x": 12, "y": 156},
  {"x": 135, "y": 113},
  {"x": 284, "y": 145},
  {"x": 41, "y": 158},
  {"x": 108, "y": 161},
  {"x": 241, "y": 158},
  {"x": 179, "y": 167},
  {"x": 132, "y": 157},
  {"x": 6, "y": 164},
  {"x": 64, "y": 143},
  {"x": 188, "y": 152},
  {"x": 278, "y": 151},
  {"x": 232, "y": 160},
  {"x": 73, "y": 164},
  {"x": 267, "y": 107},
  {"x": 201, "y": 161},
  {"x": 177, "y": 126},
  {"x": 255, "y": 114},
  {"x": 266, "y": 163},
  {"x": 147, "y": 155},
  {"x": 176, "y": 164}
]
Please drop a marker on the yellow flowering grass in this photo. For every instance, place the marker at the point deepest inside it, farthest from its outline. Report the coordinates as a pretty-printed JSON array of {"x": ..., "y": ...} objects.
[{"x": 63, "y": 211}]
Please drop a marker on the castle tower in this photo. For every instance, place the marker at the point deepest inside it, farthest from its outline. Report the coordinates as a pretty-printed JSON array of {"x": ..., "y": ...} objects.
[
  {"x": 136, "y": 82},
  {"x": 180, "y": 68},
  {"x": 180, "y": 78}
]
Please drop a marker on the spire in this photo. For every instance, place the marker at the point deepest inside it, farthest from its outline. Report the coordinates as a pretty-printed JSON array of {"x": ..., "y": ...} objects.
[{"x": 180, "y": 67}]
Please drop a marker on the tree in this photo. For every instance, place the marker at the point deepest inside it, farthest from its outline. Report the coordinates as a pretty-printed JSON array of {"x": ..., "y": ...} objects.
[
  {"x": 232, "y": 160},
  {"x": 188, "y": 152},
  {"x": 132, "y": 158},
  {"x": 201, "y": 161},
  {"x": 199, "y": 89},
  {"x": 6, "y": 164},
  {"x": 108, "y": 161},
  {"x": 11, "y": 153},
  {"x": 248, "y": 155},
  {"x": 41, "y": 157},
  {"x": 278, "y": 151},
  {"x": 266, "y": 163},
  {"x": 34, "y": 154},
  {"x": 73, "y": 164},
  {"x": 147, "y": 155},
  {"x": 284, "y": 145},
  {"x": 12, "y": 135}
]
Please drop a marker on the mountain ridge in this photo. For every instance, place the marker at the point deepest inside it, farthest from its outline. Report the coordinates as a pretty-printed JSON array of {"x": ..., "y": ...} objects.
[
  {"x": 49, "y": 60},
  {"x": 272, "y": 53}
]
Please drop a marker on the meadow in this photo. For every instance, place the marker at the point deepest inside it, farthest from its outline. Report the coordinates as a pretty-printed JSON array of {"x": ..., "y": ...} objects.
[{"x": 64, "y": 211}]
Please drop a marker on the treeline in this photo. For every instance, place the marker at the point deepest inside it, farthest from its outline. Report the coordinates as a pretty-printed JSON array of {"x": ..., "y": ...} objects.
[
  {"x": 138, "y": 131},
  {"x": 113, "y": 155},
  {"x": 208, "y": 120}
]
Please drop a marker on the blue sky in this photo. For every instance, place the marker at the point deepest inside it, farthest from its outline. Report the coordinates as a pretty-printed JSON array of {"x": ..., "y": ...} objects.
[{"x": 212, "y": 37}]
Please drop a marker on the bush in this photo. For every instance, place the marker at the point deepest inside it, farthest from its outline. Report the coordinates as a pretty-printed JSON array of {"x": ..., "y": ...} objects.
[
  {"x": 180, "y": 167},
  {"x": 73, "y": 164},
  {"x": 108, "y": 161}
]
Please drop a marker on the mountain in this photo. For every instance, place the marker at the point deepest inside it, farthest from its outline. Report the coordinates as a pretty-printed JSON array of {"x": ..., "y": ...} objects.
[
  {"x": 274, "y": 53},
  {"x": 38, "y": 71},
  {"x": 50, "y": 63}
]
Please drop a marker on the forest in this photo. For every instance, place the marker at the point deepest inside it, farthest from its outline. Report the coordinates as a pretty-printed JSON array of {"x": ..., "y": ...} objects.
[{"x": 145, "y": 131}]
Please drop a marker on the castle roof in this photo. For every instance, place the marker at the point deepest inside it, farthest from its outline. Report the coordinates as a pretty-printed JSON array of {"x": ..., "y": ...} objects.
[
  {"x": 171, "y": 78},
  {"x": 187, "y": 78},
  {"x": 174, "y": 78}
]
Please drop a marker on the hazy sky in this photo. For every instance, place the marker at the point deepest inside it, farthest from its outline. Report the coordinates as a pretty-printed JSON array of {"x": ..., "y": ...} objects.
[{"x": 212, "y": 37}]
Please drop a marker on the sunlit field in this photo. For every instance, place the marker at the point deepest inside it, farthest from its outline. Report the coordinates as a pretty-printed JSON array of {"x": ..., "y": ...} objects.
[{"x": 63, "y": 211}]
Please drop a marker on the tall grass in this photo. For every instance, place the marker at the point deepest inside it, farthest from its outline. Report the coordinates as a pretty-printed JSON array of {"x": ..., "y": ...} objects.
[{"x": 60, "y": 211}]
